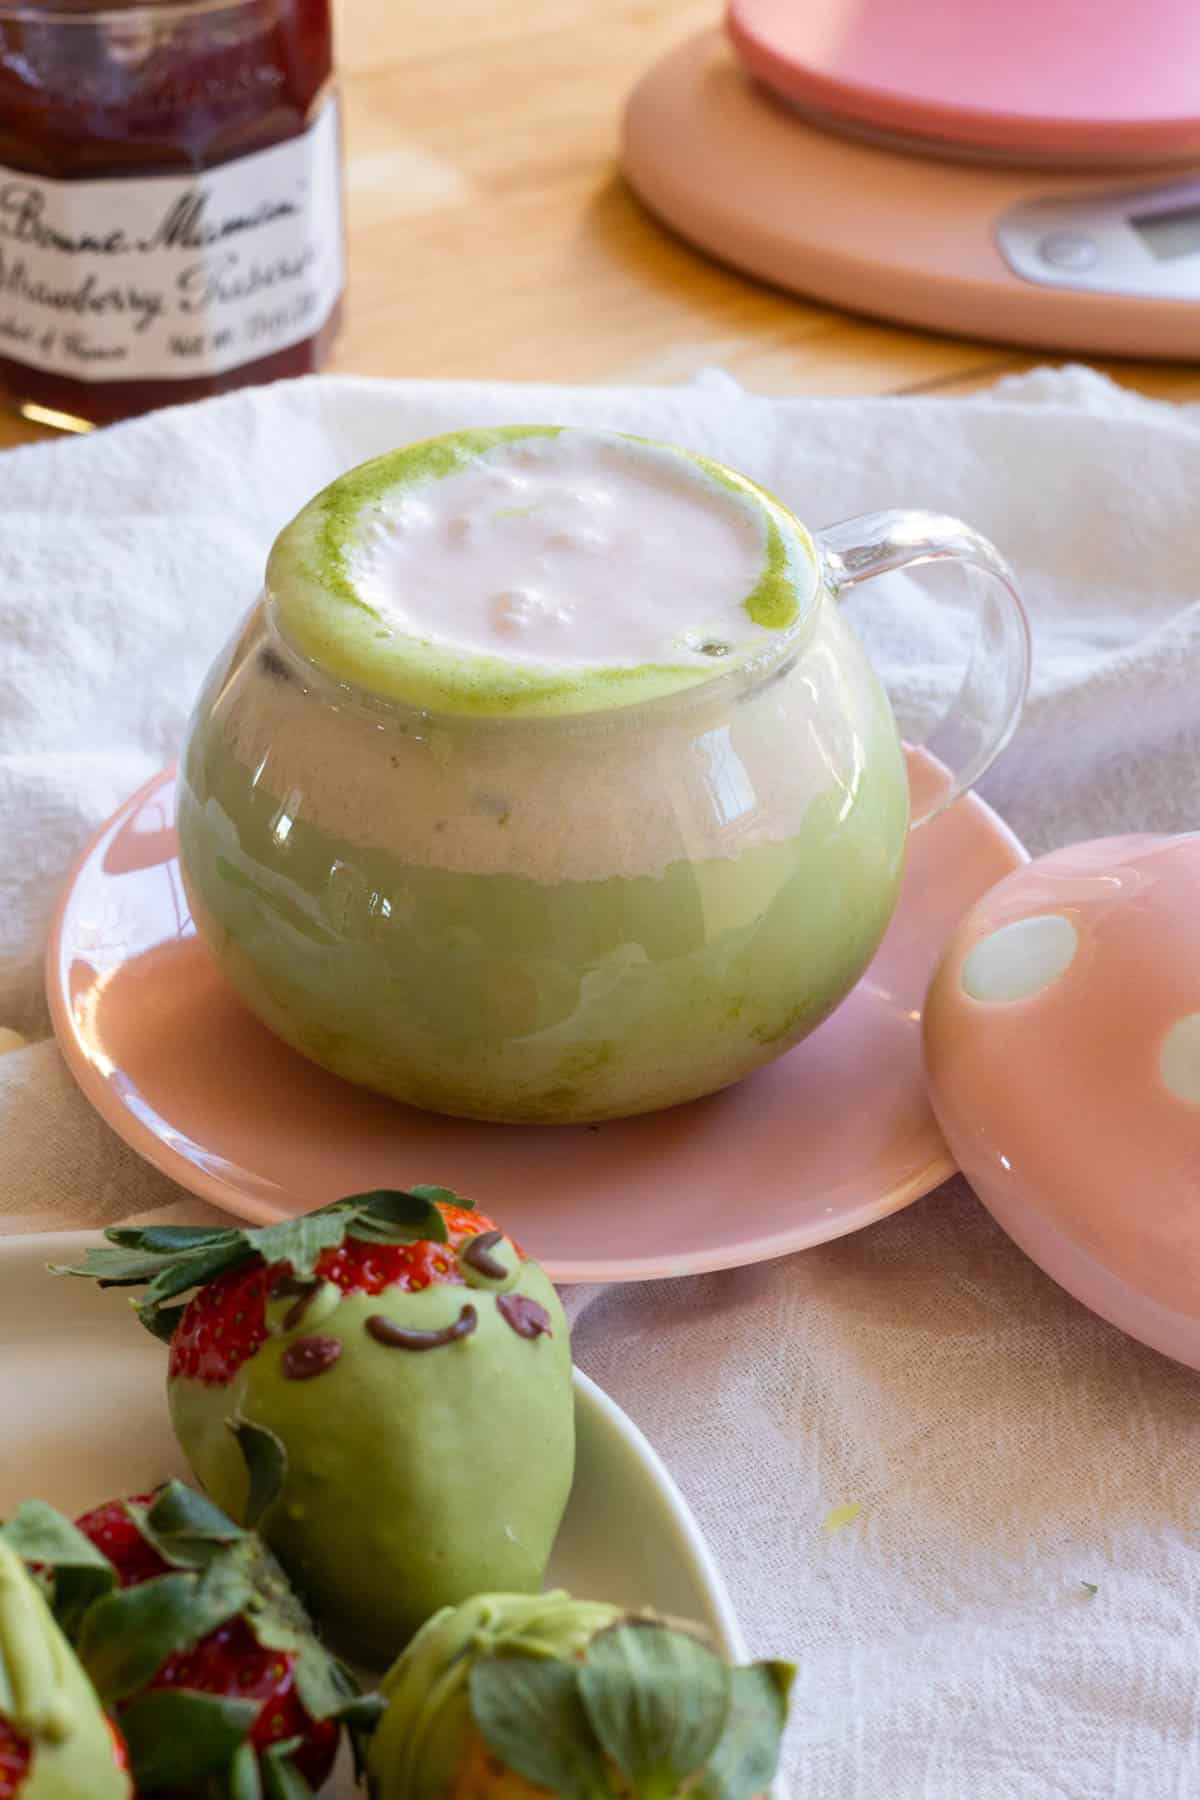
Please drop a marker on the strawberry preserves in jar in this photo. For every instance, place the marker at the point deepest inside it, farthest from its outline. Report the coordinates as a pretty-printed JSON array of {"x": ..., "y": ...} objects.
[{"x": 170, "y": 201}]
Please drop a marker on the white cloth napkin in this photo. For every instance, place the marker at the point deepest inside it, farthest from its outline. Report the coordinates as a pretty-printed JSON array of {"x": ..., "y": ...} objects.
[{"x": 1005, "y": 1447}]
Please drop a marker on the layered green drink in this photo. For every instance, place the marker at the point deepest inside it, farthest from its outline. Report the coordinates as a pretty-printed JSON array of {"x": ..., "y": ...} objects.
[{"x": 545, "y": 783}]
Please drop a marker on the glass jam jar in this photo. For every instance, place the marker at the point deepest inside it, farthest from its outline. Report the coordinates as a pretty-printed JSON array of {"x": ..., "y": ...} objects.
[{"x": 170, "y": 201}]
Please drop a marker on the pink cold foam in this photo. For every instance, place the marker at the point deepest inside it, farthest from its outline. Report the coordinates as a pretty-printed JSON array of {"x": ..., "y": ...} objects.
[{"x": 582, "y": 551}]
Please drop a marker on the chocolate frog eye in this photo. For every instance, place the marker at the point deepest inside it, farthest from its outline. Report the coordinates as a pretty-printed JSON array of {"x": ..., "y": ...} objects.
[
  {"x": 309, "y": 1356},
  {"x": 300, "y": 1302},
  {"x": 489, "y": 1260}
]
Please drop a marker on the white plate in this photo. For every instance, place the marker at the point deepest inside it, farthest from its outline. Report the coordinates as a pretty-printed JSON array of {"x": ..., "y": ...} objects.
[{"x": 83, "y": 1416}]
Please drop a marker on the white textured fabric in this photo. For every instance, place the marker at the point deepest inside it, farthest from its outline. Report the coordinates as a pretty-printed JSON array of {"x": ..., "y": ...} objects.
[{"x": 1005, "y": 1447}]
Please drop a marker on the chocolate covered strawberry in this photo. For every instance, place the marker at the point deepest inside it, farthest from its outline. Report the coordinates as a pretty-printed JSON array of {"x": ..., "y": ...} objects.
[
  {"x": 55, "y": 1742},
  {"x": 509, "y": 1697},
  {"x": 382, "y": 1386},
  {"x": 191, "y": 1637}
]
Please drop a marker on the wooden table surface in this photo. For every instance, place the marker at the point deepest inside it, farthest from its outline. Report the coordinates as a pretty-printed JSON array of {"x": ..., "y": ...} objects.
[{"x": 490, "y": 233}]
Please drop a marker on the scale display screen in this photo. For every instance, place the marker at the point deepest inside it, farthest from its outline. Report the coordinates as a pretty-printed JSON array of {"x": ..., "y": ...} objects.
[{"x": 1169, "y": 234}]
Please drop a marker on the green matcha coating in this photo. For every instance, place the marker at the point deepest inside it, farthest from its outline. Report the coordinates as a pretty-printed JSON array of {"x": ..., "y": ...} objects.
[
  {"x": 420, "y": 1741},
  {"x": 47, "y": 1698},
  {"x": 429, "y": 1478},
  {"x": 323, "y": 617}
]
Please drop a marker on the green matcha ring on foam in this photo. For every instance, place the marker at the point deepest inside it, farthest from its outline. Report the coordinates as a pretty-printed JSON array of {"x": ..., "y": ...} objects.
[
  {"x": 509, "y": 1697},
  {"x": 381, "y": 1387}
]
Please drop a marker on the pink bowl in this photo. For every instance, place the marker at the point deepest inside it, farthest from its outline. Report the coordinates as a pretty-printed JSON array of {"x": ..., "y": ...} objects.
[{"x": 1062, "y": 1045}]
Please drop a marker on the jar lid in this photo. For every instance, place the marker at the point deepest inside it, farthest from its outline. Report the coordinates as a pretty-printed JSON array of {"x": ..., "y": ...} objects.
[
  {"x": 1103, "y": 84},
  {"x": 45, "y": 12}
]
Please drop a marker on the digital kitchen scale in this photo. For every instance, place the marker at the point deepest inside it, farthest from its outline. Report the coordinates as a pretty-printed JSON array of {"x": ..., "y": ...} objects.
[{"x": 1022, "y": 170}]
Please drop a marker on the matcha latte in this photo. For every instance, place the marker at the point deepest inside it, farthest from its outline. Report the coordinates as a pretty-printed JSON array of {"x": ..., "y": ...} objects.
[{"x": 545, "y": 782}]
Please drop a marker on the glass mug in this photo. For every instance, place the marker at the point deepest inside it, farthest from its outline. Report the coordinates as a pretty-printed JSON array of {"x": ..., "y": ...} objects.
[{"x": 585, "y": 916}]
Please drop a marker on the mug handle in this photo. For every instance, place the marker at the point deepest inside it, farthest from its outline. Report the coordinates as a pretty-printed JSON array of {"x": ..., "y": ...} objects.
[{"x": 967, "y": 741}]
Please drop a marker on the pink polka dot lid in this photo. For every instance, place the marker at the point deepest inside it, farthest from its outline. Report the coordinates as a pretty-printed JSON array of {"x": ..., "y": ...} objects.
[{"x": 1062, "y": 1047}]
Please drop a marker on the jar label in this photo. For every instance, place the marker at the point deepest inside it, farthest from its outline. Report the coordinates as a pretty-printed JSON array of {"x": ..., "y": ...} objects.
[{"x": 162, "y": 275}]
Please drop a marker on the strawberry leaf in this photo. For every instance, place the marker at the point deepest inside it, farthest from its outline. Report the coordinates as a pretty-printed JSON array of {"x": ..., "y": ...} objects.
[
  {"x": 657, "y": 1701},
  {"x": 227, "y": 1586},
  {"x": 169, "y": 1260},
  {"x": 161, "y": 1320},
  {"x": 244, "y": 1780},
  {"x": 38, "y": 1533},
  {"x": 266, "y": 1464},
  {"x": 300, "y": 1241},
  {"x": 361, "y": 1718},
  {"x": 193, "y": 1269},
  {"x": 443, "y": 1196},
  {"x": 169, "y": 1238},
  {"x": 126, "y": 1637},
  {"x": 75, "y": 1590},
  {"x": 133, "y": 1264},
  {"x": 177, "y": 1737},
  {"x": 282, "y": 1780},
  {"x": 80, "y": 1573},
  {"x": 745, "y": 1759},
  {"x": 179, "y": 1514},
  {"x": 407, "y": 1214},
  {"x": 186, "y": 1529},
  {"x": 324, "y": 1686},
  {"x": 529, "y": 1712}
]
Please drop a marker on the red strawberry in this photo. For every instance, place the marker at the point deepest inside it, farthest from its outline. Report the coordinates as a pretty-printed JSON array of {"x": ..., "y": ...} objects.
[
  {"x": 226, "y": 1321},
  {"x": 15, "y": 1752},
  {"x": 229, "y": 1661},
  {"x": 199, "y": 1612},
  {"x": 332, "y": 1377},
  {"x": 115, "y": 1533}
]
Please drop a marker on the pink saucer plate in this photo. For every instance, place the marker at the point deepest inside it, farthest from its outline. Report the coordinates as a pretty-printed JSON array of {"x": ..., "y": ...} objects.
[{"x": 836, "y": 1134}]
